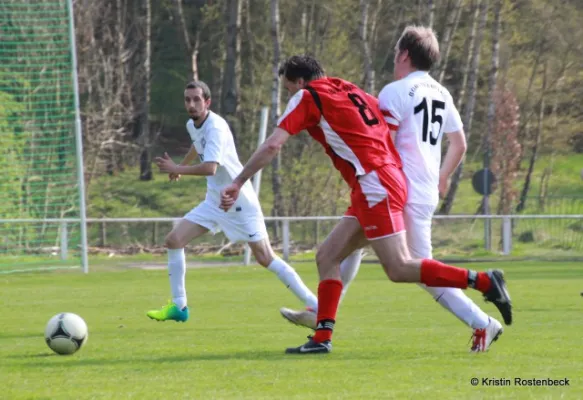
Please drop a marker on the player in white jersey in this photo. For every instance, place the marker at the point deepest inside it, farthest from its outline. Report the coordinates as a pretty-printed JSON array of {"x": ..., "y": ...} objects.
[
  {"x": 213, "y": 142},
  {"x": 419, "y": 112}
]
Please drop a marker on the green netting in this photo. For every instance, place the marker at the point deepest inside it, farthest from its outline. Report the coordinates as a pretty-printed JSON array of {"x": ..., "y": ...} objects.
[{"x": 38, "y": 179}]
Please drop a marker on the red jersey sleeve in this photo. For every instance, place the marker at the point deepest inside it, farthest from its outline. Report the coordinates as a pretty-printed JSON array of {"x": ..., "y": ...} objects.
[{"x": 301, "y": 113}]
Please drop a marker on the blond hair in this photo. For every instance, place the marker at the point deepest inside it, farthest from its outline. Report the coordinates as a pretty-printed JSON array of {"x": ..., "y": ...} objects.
[{"x": 422, "y": 46}]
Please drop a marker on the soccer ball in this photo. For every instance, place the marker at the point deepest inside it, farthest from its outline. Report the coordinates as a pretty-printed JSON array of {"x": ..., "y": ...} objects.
[{"x": 66, "y": 333}]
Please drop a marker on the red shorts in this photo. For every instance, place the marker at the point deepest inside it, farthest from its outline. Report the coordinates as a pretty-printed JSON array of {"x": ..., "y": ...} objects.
[{"x": 377, "y": 201}]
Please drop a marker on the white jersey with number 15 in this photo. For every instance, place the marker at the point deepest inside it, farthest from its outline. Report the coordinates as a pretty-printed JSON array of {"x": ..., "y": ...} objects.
[{"x": 420, "y": 110}]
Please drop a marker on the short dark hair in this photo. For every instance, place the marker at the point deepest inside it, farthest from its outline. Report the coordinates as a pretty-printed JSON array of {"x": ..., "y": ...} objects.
[
  {"x": 206, "y": 92},
  {"x": 422, "y": 46},
  {"x": 301, "y": 66}
]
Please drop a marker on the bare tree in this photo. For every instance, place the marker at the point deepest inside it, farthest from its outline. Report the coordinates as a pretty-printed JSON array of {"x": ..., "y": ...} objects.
[
  {"x": 232, "y": 71},
  {"x": 369, "y": 82},
  {"x": 536, "y": 143},
  {"x": 192, "y": 45},
  {"x": 453, "y": 18},
  {"x": 144, "y": 126},
  {"x": 468, "y": 113},
  {"x": 430, "y": 12},
  {"x": 275, "y": 110},
  {"x": 469, "y": 52}
]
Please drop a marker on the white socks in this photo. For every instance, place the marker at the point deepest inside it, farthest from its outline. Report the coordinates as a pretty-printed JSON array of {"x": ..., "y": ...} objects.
[
  {"x": 177, "y": 272},
  {"x": 348, "y": 269},
  {"x": 460, "y": 305},
  {"x": 290, "y": 278}
]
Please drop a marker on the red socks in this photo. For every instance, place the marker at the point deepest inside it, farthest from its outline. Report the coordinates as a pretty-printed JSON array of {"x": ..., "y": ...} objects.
[
  {"x": 329, "y": 292},
  {"x": 437, "y": 274}
]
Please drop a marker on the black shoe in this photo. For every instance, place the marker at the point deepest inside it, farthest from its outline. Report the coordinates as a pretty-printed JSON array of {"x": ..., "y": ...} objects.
[
  {"x": 498, "y": 294},
  {"x": 311, "y": 347}
]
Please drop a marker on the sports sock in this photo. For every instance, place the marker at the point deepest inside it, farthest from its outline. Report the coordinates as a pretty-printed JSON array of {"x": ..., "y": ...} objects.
[
  {"x": 438, "y": 274},
  {"x": 177, "y": 272},
  {"x": 329, "y": 291},
  {"x": 290, "y": 278},
  {"x": 460, "y": 305},
  {"x": 348, "y": 269}
]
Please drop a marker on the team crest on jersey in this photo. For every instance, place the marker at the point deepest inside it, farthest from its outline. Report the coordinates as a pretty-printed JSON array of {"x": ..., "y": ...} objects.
[{"x": 203, "y": 143}]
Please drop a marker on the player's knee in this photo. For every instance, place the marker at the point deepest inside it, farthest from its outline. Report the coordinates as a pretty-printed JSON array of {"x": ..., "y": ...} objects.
[
  {"x": 394, "y": 274},
  {"x": 322, "y": 257},
  {"x": 172, "y": 241},
  {"x": 395, "y": 271},
  {"x": 263, "y": 258}
]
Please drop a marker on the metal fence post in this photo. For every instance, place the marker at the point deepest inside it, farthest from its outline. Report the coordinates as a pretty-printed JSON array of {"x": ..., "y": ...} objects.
[
  {"x": 506, "y": 235},
  {"x": 286, "y": 239},
  {"x": 64, "y": 241}
]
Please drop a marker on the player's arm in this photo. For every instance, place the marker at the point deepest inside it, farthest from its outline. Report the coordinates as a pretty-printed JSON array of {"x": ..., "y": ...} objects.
[
  {"x": 391, "y": 107},
  {"x": 166, "y": 164},
  {"x": 456, "y": 151},
  {"x": 202, "y": 169},
  {"x": 263, "y": 155},
  {"x": 190, "y": 156},
  {"x": 456, "y": 148}
]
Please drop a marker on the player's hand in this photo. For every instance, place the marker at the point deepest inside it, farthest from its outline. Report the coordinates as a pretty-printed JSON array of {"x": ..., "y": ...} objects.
[
  {"x": 173, "y": 176},
  {"x": 166, "y": 164},
  {"x": 229, "y": 195},
  {"x": 443, "y": 186}
]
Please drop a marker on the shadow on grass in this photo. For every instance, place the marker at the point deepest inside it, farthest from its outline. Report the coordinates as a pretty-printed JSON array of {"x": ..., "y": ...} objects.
[
  {"x": 46, "y": 360},
  {"x": 24, "y": 335}
]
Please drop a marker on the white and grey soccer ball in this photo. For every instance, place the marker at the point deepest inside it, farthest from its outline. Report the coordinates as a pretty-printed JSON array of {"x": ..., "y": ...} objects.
[{"x": 66, "y": 333}]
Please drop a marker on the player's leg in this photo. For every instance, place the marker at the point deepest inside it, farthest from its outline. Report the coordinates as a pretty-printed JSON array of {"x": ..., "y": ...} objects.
[
  {"x": 383, "y": 222},
  {"x": 486, "y": 329},
  {"x": 348, "y": 270},
  {"x": 266, "y": 257},
  {"x": 342, "y": 241},
  {"x": 248, "y": 225},
  {"x": 196, "y": 223}
]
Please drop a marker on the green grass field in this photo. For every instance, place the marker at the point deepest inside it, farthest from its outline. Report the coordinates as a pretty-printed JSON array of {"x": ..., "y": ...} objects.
[{"x": 391, "y": 341}]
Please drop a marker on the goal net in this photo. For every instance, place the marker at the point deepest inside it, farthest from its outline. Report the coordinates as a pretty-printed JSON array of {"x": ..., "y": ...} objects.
[{"x": 41, "y": 182}]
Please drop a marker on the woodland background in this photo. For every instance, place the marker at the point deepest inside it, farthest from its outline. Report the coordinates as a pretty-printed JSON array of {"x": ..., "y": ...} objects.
[{"x": 514, "y": 68}]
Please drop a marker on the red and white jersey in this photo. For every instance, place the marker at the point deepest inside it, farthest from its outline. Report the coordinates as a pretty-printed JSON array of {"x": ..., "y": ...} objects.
[
  {"x": 419, "y": 109},
  {"x": 346, "y": 121}
]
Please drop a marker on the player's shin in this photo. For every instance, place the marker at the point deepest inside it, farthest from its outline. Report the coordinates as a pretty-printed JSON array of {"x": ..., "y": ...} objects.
[
  {"x": 329, "y": 292},
  {"x": 176, "y": 273},
  {"x": 455, "y": 301},
  {"x": 290, "y": 278},
  {"x": 436, "y": 274}
]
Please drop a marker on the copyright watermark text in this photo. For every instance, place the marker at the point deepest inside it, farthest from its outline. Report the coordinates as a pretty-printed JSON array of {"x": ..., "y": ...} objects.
[{"x": 519, "y": 382}]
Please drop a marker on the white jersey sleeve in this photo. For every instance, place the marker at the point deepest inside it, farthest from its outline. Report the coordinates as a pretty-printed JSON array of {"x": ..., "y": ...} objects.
[
  {"x": 453, "y": 121},
  {"x": 214, "y": 149},
  {"x": 392, "y": 105}
]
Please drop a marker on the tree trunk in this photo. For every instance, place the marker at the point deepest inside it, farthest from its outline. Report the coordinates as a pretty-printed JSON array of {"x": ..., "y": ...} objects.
[
  {"x": 274, "y": 114},
  {"x": 395, "y": 35},
  {"x": 190, "y": 46},
  {"x": 469, "y": 51},
  {"x": 468, "y": 113},
  {"x": 363, "y": 35},
  {"x": 231, "y": 73},
  {"x": 492, "y": 82},
  {"x": 146, "y": 156},
  {"x": 535, "y": 147},
  {"x": 431, "y": 12},
  {"x": 453, "y": 18}
]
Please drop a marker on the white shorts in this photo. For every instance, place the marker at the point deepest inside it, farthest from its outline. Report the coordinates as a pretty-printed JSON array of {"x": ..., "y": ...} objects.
[
  {"x": 238, "y": 226},
  {"x": 418, "y": 219}
]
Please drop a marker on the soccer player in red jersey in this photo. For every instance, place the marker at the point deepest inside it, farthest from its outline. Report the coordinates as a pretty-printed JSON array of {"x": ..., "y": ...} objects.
[
  {"x": 420, "y": 112},
  {"x": 348, "y": 123}
]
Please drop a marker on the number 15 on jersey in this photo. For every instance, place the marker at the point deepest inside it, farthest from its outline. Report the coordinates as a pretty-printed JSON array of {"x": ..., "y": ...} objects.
[{"x": 436, "y": 117}]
